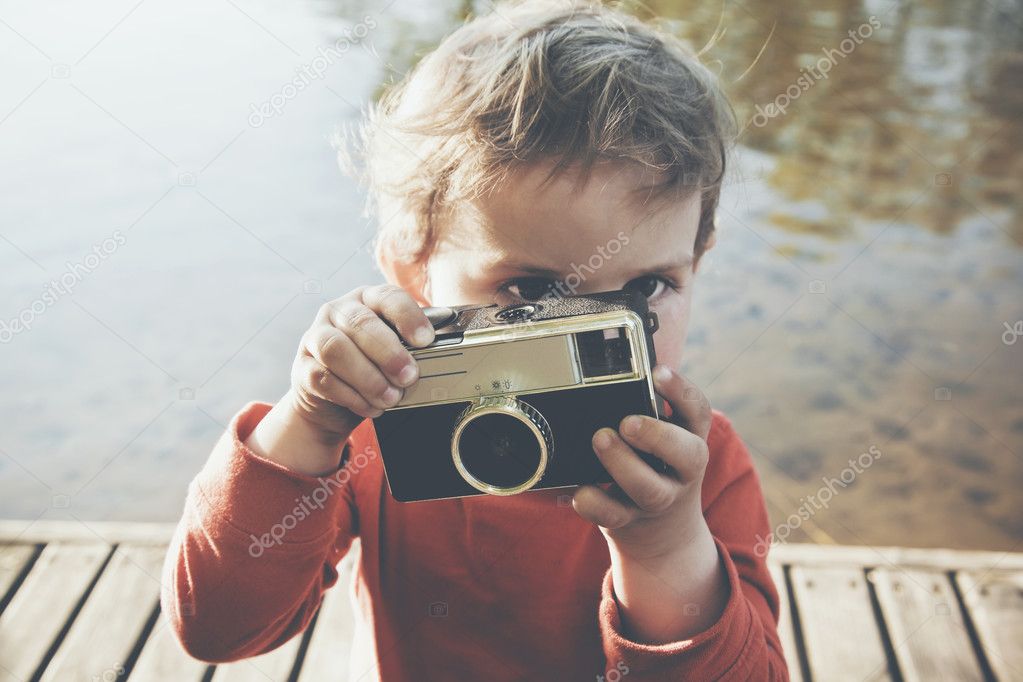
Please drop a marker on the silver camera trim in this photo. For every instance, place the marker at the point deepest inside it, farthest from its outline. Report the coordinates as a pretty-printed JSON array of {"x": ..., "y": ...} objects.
[
  {"x": 514, "y": 408},
  {"x": 498, "y": 335}
]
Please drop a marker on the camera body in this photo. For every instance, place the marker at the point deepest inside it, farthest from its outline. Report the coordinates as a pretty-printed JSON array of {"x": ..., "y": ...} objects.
[{"x": 509, "y": 397}]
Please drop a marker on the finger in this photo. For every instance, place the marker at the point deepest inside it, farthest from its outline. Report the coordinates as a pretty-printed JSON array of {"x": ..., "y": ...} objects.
[
  {"x": 316, "y": 380},
  {"x": 684, "y": 452},
  {"x": 597, "y": 506},
  {"x": 396, "y": 306},
  {"x": 339, "y": 354},
  {"x": 648, "y": 490},
  {"x": 375, "y": 339},
  {"x": 688, "y": 402}
]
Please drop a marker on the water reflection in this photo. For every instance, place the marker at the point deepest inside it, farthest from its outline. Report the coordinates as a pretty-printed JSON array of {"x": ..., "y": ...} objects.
[
  {"x": 932, "y": 98},
  {"x": 893, "y": 185},
  {"x": 867, "y": 266},
  {"x": 890, "y": 186}
]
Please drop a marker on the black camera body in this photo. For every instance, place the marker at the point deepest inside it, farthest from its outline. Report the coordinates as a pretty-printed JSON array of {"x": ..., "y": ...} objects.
[{"x": 509, "y": 397}]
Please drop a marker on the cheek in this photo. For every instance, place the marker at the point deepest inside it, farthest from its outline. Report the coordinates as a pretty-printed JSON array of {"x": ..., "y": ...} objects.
[{"x": 669, "y": 339}]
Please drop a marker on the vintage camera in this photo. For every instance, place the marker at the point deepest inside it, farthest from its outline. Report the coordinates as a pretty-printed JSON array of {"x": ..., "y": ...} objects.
[{"x": 509, "y": 397}]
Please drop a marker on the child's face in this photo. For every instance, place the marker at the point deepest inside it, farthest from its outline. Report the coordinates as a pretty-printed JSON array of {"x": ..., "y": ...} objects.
[{"x": 522, "y": 242}]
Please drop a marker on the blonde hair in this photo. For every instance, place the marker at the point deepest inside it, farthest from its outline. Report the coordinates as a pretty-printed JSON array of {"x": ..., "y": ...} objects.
[{"x": 574, "y": 83}]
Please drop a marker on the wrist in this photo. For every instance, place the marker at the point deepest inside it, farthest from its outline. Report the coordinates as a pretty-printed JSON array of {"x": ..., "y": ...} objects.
[
  {"x": 691, "y": 553},
  {"x": 287, "y": 436},
  {"x": 303, "y": 420},
  {"x": 666, "y": 540},
  {"x": 670, "y": 595}
]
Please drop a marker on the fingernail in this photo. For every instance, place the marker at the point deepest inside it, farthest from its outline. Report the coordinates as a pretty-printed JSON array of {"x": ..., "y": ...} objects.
[
  {"x": 422, "y": 336},
  {"x": 662, "y": 373},
  {"x": 408, "y": 374},
  {"x": 391, "y": 395},
  {"x": 630, "y": 426},
  {"x": 602, "y": 439}
]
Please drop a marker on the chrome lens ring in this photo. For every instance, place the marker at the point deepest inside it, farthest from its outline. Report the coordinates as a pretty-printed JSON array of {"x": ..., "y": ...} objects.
[{"x": 509, "y": 407}]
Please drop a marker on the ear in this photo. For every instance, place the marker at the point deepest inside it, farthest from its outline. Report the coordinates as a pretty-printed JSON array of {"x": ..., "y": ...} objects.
[
  {"x": 410, "y": 275},
  {"x": 712, "y": 239}
]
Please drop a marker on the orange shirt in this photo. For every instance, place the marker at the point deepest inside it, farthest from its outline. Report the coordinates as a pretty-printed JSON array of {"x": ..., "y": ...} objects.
[{"x": 495, "y": 588}]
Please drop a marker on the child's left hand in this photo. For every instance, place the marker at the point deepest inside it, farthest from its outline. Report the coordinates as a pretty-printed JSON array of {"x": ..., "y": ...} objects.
[{"x": 647, "y": 515}]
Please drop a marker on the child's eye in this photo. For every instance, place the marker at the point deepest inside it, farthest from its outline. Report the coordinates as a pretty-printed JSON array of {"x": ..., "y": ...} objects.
[
  {"x": 651, "y": 286},
  {"x": 536, "y": 288},
  {"x": 530, "y": 288}
]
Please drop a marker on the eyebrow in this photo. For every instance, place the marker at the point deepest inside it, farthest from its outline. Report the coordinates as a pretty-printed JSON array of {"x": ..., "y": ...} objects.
[{"x": 660, "y": 269}]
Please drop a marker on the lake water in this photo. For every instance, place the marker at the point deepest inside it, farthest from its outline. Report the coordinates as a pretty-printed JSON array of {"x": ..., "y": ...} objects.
[{"x": 864, "y": 296}]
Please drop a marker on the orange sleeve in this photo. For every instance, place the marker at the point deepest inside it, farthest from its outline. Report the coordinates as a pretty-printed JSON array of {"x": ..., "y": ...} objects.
[
  {"x": 743, "y": 643},
  {"x": 255, "y": 548}
]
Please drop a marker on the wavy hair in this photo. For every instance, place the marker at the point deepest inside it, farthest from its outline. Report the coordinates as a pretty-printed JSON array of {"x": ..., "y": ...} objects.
[{"x": 574, "y": 83}]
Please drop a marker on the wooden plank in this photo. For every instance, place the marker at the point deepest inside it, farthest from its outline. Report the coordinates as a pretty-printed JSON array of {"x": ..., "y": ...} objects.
[
  {"x": 852, "y": 555},
  {"x": 840, "y": 633},
  {"x": 13, "y": 558},
  {"x": 45, "y": 531},
  {"x": 162, "y": 658},
  {"x": 785, "y": 631},
  {"x": 994, "y": 600},
  {"x": 43, "y": 604},
  {"x": 103, "y": 635},
  {"x": 273, "y": 666},
  {"x": 925, "y": 625},
  {"x": 111, "y": 532},
  {"x": 330, "y": 646}
]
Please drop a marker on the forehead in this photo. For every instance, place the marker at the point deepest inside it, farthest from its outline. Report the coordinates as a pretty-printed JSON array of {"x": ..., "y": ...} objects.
[{"x": 567, "y": 219}]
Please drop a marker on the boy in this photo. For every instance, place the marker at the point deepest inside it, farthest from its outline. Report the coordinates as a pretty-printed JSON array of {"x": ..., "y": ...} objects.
[{"x": 542, "y": 145}]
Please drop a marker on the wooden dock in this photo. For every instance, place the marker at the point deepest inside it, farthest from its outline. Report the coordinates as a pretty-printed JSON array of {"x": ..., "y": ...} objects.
[{"x": 79, "y": 601}]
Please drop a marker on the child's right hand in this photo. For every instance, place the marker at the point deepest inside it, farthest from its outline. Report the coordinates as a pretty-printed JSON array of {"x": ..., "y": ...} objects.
[{"x": 351, "y": 364}]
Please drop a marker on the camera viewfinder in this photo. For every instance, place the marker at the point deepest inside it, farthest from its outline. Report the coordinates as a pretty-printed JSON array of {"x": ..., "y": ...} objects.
[{"x": 604, "y": 352}]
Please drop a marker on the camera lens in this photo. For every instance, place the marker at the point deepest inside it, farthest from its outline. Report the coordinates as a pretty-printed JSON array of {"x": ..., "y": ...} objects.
[
  {"x": 499, "y": 450},
  {"x": 501, "y": 445}
]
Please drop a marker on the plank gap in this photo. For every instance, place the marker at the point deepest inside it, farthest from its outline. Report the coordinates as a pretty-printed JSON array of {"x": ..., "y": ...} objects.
[
  {"x": 882, "y": 626},
  {"x": 797, "y": 626},
  {"x": 59, "y": 639},
  {"x": 5, "y": 599},
  {"x": 971, "y": 630},
  {"x": 307, "y": 636},
  {"x": 140, "y": 641}
]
